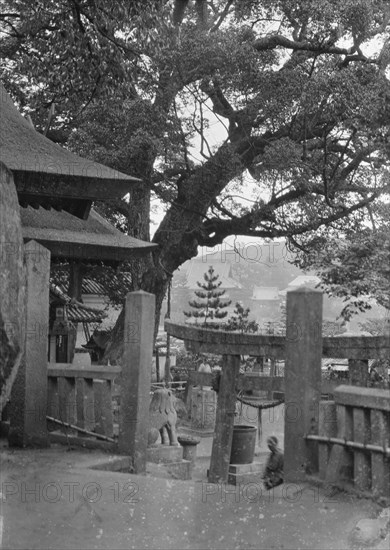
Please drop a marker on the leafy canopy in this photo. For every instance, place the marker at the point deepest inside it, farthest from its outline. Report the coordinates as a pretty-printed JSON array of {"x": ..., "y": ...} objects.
[{"x": 299, "y": 93}]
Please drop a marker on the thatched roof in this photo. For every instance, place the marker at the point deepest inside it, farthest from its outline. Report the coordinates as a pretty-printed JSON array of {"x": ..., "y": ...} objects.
[
  {"x": 48, "y": 175},
  {"x": 72, "y": 238}
]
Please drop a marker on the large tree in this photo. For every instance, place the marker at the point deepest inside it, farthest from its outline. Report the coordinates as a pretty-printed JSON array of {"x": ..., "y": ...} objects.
[{"x": 299, "y": 89}]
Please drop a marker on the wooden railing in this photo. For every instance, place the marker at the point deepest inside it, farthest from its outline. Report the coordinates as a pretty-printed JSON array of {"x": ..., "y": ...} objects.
[
  {"x": 81, "y": 398},
  {"x": 353, "y": 440}
]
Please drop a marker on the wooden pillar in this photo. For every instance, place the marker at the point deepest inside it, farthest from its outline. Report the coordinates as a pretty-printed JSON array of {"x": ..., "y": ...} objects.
[
  {"x": 76, "y": 272},
  {"x": 136, "y": 377},
  {"x": 223, "y": 435},
  {"x": 302, "y": 381},
  {"x": 28, "y": 409}
]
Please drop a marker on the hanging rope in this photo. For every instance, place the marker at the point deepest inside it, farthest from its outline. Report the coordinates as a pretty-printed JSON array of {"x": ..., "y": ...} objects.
[{"x": 260, "y": 405}]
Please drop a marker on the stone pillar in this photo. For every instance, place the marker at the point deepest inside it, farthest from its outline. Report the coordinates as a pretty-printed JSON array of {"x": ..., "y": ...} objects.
[
  {"x": 223, "y": 435},
  {"x": 136, "y": 377},
  {"x": 28, "y": 409},
  {"x": 203, "y": 408},
  {"x": 358, "y": 372},
  {"x": 302, "y": 381}
]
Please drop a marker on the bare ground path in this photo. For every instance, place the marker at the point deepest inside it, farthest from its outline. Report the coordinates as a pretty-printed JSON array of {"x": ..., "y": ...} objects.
[{"x": 51, "y": 499}]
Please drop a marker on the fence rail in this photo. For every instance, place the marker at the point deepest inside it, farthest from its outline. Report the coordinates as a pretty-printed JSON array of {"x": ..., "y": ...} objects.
[
  {"x": 354, "y": 439},
  {"x": 81, "y": 398}
]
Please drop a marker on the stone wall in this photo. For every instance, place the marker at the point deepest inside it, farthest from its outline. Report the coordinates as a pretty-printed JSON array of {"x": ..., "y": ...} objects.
[{"x": 12, "y": 285}]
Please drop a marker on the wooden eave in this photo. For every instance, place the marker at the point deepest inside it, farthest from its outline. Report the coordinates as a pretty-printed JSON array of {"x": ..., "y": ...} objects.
[
  {"x": 70, "y": 238},
  {"x": 50, "y": 176}
]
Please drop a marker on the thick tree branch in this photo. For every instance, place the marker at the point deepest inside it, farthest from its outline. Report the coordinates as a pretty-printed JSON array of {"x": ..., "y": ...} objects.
[
  {"x": 273, "y": 41},
  {"x": 224, "y": 228}
]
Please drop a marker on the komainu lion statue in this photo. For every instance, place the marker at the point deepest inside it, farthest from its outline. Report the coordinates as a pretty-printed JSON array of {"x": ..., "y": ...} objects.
[{"x": 162, "y": 418}]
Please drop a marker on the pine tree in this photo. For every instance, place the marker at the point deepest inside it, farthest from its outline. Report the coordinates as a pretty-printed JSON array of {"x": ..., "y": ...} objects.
[
  {"x": 209, "y": 307},
  {"x": 240, "y": 320}
]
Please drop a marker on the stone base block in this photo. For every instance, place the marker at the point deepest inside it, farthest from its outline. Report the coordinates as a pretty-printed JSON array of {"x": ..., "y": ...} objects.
[
  {"x": 180, "y": 469},
  {"x": 171, "y": 470},
  {"x": 245, "y": 473},
  {"x": 239, "y": 474},
  {"x": 163, "y": 454}
]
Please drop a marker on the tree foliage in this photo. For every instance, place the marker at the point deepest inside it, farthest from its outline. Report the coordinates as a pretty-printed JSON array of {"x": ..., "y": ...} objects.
[
  {"x": 299, "y": 92},
  {"x": 356, "y": 266},
  {"x": 209, "y": 307},
  {"x": 240, "y": 322}
]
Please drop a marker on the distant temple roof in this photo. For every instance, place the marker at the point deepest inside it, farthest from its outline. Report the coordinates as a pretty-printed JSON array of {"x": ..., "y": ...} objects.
[
  {"x": 304, "y": 280},
  {"x": 76, "y": 311},
  {"x": 48, "y": 175},
  {"x": 90, "y": 286},
  {"x": 266, "y": 293},
  {"x": 68, "y": 237}
]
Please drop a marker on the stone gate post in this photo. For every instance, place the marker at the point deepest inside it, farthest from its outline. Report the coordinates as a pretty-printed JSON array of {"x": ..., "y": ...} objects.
[
  {"x": 302, "y": 381},
  {"x": 136, "y": 377},
  {"x": 28, "y": 408}
]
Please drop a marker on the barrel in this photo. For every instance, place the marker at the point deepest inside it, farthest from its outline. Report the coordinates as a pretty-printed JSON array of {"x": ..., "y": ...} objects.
[{"x": 243, "y": 444}]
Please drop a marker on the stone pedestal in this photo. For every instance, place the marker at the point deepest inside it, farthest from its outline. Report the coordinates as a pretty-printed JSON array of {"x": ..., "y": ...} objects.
[
  {"x": 162, "y": 454},
  {"x": 245, "y": 474},
  {"x": 203, "y": 408},
  {"x": 189, "y": 445},
  {"x": 240, "y": 474},
  {"x": 170, "y": 459}
]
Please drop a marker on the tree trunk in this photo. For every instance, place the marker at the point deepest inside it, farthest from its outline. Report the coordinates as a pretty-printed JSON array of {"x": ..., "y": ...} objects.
[{"x": 179, "y": 234}]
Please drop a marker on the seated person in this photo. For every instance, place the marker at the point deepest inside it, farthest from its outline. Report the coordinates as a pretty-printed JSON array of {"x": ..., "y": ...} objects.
[{"x": 273, "y": 473}]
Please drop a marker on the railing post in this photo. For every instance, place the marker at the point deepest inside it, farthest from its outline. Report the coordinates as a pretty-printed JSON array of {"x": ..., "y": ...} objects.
[
  {"x": 224, "y": 422},
  {"x": 85, "y": 403},
  {"x": 67, "y": 402},
  {"x": 362, "y": 459},
  {"x": 327, "y": 427},
  {"x": 29, "y": 393},
  {"x": 135, "y": 378},
  {"x": 302, "y": 381},
  {"x": 104, "y": 422},
  {"x": 380, "y": 429}
]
